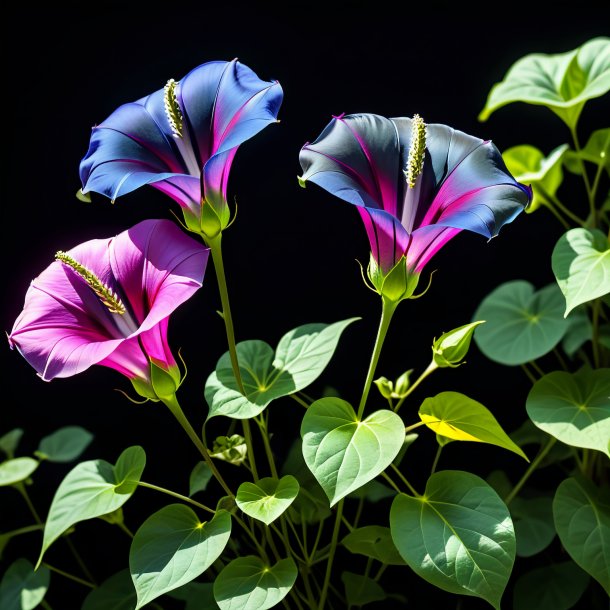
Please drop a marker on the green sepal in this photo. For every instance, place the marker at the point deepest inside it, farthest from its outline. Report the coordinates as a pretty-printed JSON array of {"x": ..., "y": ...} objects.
[
  {"x": 211, "y": 220},
  {"x": 385, "y": 386},
  {"x": 164, "y": 382},
  {"x": 450, "y": 349},
  {"x": 398, "y": 284},
  {"x": 144, "y": 389}
]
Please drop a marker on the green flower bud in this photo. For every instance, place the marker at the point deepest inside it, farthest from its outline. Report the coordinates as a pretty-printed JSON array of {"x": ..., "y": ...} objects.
[
  {"x": 451, "y": 348},
  {"x": 210, "y": 221},
  {"x": 385, "y": 386},
  {"x": 230, "y": 449},
  {"x": 164, "y": 382},
  {"x": 402, "y": 384}
]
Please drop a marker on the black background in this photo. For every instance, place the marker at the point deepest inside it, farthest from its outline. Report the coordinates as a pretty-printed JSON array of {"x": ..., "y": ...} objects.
[{"x": 290, "y": 257}]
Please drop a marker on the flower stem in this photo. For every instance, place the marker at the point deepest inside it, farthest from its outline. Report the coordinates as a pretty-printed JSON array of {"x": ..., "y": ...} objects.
[
  {"x": 532, "y": 467},
  {"x": 299, "y": 400},
  {"x": 215, "y": 245},
  {"x": 387, "y": 311},
  {"x": 404, "y": 480},
  {"x": 429, "y": 370},
  {"x": 331, "y": 554},
  {"x": 585, "y": 176},
  {"x": 171, "y": 402},
  {"x": 169, "y": 492}
]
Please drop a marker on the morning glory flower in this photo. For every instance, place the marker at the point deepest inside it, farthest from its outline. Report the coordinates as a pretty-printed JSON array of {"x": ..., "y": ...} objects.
[
  {"x": 108, "y": 302},
  {"x": 416, "y": 186},
  {"x": 182, "y": 140}
]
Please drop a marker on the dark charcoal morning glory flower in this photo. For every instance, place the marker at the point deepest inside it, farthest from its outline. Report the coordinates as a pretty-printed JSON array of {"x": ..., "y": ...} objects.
[
  {"x": 416, "y": 186},
  {"x": 182, "y": 139}
]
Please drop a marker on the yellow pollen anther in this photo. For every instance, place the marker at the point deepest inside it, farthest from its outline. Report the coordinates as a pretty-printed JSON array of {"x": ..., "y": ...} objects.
[
  {"x": 417, "y": 150},
  {"x": 172, "y": 108},
  {"x": 104, "y": 293}
]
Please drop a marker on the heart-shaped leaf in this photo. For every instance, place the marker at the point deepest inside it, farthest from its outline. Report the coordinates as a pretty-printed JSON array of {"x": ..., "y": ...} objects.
[
  {"x": 247, "y": 583},
  {"x": 64, "y": 445},
  {"x": 115, "y": 593},
  {"x": 596, "y": 150},
  {"x": 461, "y": 418},
  {"x": 22, "y": 588},
  {"x": 301, "y": 356},
  {"x": 172, "y": 547},
  {"x": 562, "y": 82},
  {"x": 582, "y": 520},
  {"x": 344, "y": 453},
  {"x": 458, "y": 536},
  {"x": 522, "y": 325},
  {"x": 579, "y": 332},
  {"x": 92, "y": 489},
  {"x": 268, "y": 498},
  {"x": 533, "y": 520},
  {"x": 361, "y": 590},
  {"x": 581, "y": 264},
  {"x": 544, "y": 174},
  {"x": 16, "y": 470},
  {"x": 555, "y": 587},
  {"x": 573, "y": 407},
  {"x": 373, "y": 541}
]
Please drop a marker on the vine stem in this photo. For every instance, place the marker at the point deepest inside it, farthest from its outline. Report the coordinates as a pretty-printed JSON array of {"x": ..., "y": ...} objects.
[
  {"x": 171, "y": 402},
  {"x": 387, "y": 311},
  {"x": 80, "y": 581},
  {"x": 215, "y": 245},
  {"x": 532, "y": 467},
  {"x": 331, "y": 555},
  {"x": 585, "y": 176},
  {"x": 178, "y": 496},
  {"x": 429, "y": 370}
]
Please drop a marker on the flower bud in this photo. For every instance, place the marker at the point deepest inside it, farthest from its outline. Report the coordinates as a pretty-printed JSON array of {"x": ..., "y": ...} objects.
[
  {"x": 401, "y": 386},
  {"x": 451, "y": 348},
  {"x": 385, "y": 386},
  {"x": 230, "y": 449},
  {"x": 397, "y": 284}
]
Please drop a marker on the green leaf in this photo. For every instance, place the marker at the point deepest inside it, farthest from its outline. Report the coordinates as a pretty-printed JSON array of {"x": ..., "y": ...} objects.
[
  {"x": 582, "y": 520},
  {"x": 311, "y": 503},
  {"x": 573, "y": 407},
  {"x": 199, "y": 479},
  {"x": 458, "y": 536},
  {"x": 461, "y": 418},
  {"x": 173, "y": 547},
  {"x": 561, "y": 82},
  {"x": 579, "y": 332},
  {"x": 555, "y": 587},
  {"x": 544, "y": 174},
  {"x": 247, "y": 583},
  {"x": 92, "y": 489},
  {"x": 533, "y": 520},
  {"x": 522, "y": 325},
  {"x": 22, "y": 588},
  {"x": 268, "y": 498},
  {"x": 10, "y": 441},
  {"x": 232, "y": 449},
  {"x": 115, "y": 593},
  {"x": 361, "y": 590},
  {"x": 581, "y": 264},
  {"x": 344, "y": 453},
  {"x": 373, "y": 541},
  {"x": 301, "y": 356},
  {"x": 16, "y": 470},
  {"x": 64, "y": 445},
  {"x": 597, "y": 151}
]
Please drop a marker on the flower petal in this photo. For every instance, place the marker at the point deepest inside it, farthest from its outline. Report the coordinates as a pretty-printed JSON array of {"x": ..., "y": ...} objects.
[
  {"x": 357, "y": 158},
  {"x": 425, "y": 243}
]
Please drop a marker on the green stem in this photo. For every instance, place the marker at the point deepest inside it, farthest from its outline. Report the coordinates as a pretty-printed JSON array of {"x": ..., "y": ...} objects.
[
  {"x": 595, "y": 337},
  {"x": 333, "y": 548},
  {"x": 559, "y": 357},
  {"x": 171, "y": 402},
  {"x": 79, "y": 560},
  {"x": 358, "y": 512},
  {"x": 24, "y": 530},
  {"x": 299, "y": 400},
  {"x": 388, "y": 478},
  {"x": 262, "y": 426},
  {"x": 252, "y": 537},
  {"x": 46, "y": 605},
  {"x": 429, "y": 370},
  {"x": 557, "y": 215},
  {"x": 584, "y": 175},
  {"x": 125, "y": 529},
  {"x": 414, "y": 426},
  {"x": 178, "y": 496},
  {"x": 215, "y": 245},
  {"x": 316, "y": 542},
  {"x": 598, "y": 175},
  {"x": 387, "y": 311},
  {"x": 573, "y": 217},
  {"x": 436, "y": 459},
  {"x": 85, "y": 583},
  {"x": 532, "y": 467},
  {"x": 528, "y": 373},
  {"x": 404, "y": 480},
  {"x": 536, "y": 367},
  {"x": 24, "y": 494}
]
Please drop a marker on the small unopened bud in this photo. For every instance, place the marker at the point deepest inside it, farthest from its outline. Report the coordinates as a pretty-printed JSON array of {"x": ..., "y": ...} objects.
[
  {"x": 402, "y": 384},
  {"x": 385, "y": 386},
  {"x": 450, "y": 349},
  {"x": 230, "y": 449}
]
